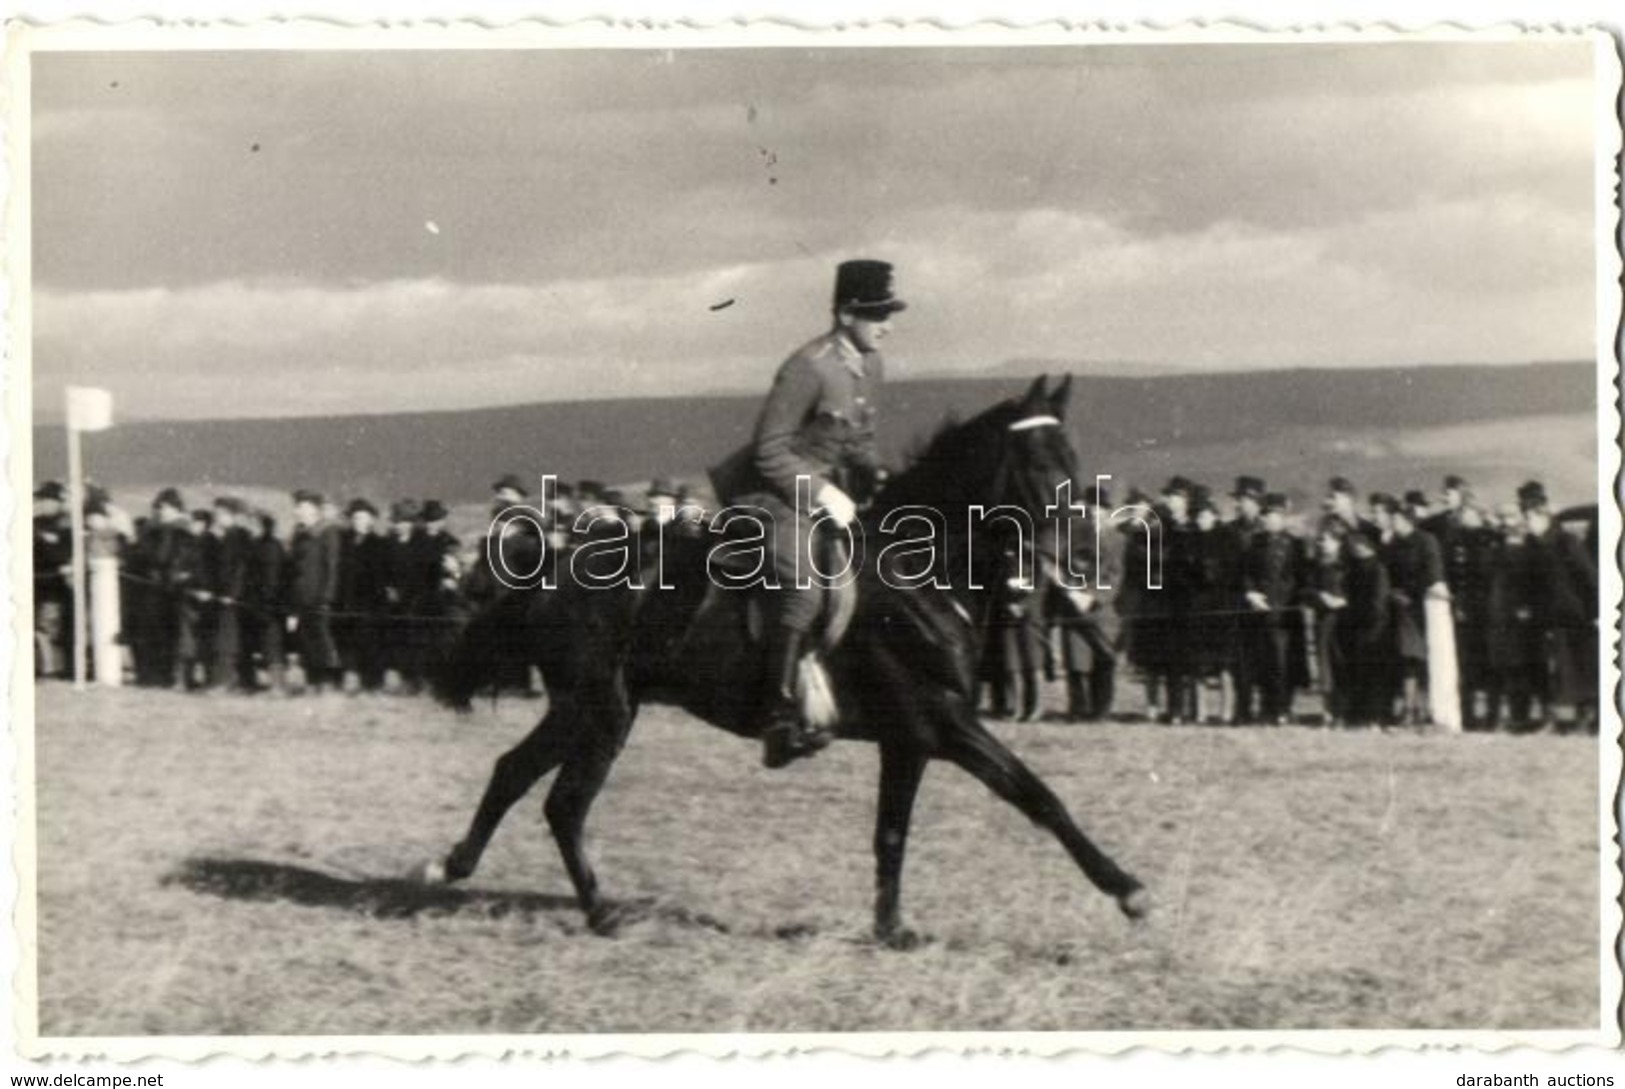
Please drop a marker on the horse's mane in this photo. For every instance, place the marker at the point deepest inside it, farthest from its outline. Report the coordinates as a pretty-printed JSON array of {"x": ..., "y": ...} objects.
[{"x": 940, "y": 469}]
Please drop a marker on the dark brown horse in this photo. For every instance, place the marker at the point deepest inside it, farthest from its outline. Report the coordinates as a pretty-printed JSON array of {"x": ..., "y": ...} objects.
[{"x": 904, "y": 675}]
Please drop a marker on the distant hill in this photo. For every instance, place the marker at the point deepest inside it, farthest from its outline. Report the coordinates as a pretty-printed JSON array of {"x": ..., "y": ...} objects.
[{"x": 1133, "y": 427}]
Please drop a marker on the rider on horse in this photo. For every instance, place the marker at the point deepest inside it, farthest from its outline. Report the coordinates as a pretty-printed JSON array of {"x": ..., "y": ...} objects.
[{"x": 819, "y": 424}]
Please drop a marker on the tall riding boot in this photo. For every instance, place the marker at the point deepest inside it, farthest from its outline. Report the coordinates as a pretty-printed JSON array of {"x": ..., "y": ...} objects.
[{"x": 779, "y": 714}]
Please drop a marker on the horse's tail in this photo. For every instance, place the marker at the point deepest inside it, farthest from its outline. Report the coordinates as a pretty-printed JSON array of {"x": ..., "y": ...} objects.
[{"x": 493, "y": 641}]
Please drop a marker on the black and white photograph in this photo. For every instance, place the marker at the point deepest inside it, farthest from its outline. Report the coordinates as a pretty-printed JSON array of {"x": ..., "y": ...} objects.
[{"x": 596, "y": 533}]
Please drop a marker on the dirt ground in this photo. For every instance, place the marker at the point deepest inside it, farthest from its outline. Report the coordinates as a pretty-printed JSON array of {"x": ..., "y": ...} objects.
[{"x": 212, "y": 864}]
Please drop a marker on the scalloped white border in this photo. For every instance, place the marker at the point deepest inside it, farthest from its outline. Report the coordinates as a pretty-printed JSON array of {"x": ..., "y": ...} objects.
[{"x": 124, "y": 26}]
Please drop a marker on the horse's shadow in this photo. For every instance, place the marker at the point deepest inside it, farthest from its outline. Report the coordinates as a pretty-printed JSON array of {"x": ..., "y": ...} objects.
[{"x": 256, "y": 880}]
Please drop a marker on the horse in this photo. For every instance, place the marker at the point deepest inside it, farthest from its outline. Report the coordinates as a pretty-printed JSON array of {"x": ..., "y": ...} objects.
[{"x": 903, "y": 677}]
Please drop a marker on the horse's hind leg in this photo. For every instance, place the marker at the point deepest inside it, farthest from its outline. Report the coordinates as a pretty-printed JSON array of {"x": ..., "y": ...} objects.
[
  {"x": 605, "y": 720},
  {"x": 516, "y": 771},
  {"x": 974, "y": 749},
  {"x": 901, "y": 768}
]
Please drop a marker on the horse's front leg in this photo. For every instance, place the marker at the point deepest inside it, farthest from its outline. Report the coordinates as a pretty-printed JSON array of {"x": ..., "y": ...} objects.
[
  {"x": 516, "y": 771},
  {"x": 901, "y": 768},
  {"x": 973, "y": 748}
]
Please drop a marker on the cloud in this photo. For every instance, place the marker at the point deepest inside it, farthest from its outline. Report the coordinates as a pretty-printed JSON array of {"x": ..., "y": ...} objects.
[
  {"x": 1496, "y": 280},
  {"x": 548, "y": 166}
]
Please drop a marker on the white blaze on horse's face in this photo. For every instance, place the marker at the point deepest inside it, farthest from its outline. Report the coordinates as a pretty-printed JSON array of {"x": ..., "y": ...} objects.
[{"x": 1027, "y": 423}]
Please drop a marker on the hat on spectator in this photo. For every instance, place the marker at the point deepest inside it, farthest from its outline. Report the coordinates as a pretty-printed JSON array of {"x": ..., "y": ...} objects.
[
  {"x": 510, "y": 481},
  {"x": 51, "y": 489},
  {"x": 306, "y": 495},
  {"x": 404, "y": 510},
  {"x": 1248, "y": 487},
  {"x": 169, "y": 497},
  {"x": 1454, "y": 483},
  {"x": 1276, "y": 501},
  {"x": 1340, "y": 485},
  {"x": 1178, "y": 486},
  {"x": 1531, "y": 495},
  {"x": 434, "y": 510},
  {"x": 361, "y": 506}
]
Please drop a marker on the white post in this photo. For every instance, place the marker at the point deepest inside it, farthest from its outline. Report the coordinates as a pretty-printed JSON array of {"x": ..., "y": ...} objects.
[
  {"x": 106, "y": 656},
  {"x": 76, "y": 512}
]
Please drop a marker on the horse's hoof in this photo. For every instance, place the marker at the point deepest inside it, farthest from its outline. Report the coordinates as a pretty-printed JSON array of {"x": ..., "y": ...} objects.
[
  {"x": 1136, "y": 904},
  {"x": 901, "y": 939},
  {"x": 432, "y": 872},
  {"x": 604, "y": 921}
]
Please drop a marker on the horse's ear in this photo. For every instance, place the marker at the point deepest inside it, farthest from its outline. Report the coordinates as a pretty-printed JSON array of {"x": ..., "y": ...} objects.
[
  {"x": 1035, "y": 392},
  {"x": 1060, "y": 396}
]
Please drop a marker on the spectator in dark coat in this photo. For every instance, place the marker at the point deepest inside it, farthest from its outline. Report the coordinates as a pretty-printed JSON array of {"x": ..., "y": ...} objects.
[
  {"x": 1363, "y": 637},
  {"x": 363, "y": 596},
  {"x": 1566, "y": 610},
  {"x": 1416, "y": 571},
  {"x": 266, "y": 581},
  {"x": 233, "y": 669},
  {"x": 313, "y": 569},
  {"x": 1469, "y": 548},
  {"x": 1270, "y": 579},
  {"x": 414, "y": 574},
  {"x": 196, "y": 574},
  {"x": 1249, "y": 495},
  {"x": 1142, "y": 603},
  {"x": 1214, "y": 570},
  {"x": 1086, "y": 618},
  {"x": 159, "y": 570},
  {"x": 1325, "y": 593},
  {"x": 1514, "y": 644},
  {"x": 1015, "y": 647},
  {"x": 1169, "y": 630},
  {"x": 53, "y": 593}
]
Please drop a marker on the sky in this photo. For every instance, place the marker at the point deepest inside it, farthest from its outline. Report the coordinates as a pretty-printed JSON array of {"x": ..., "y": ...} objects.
[{"x": 280, "y": 233}]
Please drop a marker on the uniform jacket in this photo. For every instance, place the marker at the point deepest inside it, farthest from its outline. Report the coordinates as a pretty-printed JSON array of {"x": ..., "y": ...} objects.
[
  {"x": 233, "y": 557},
  {"x": 363, "y": 572},
  {"x": 1414, "y": 563},
  {"x": 1214, "y": 568},
  {"x": 818, "y": 422},
  {"x": 1271, "y": 567},
  {"x": 1512, "y": 635},
  {"x": 53, "y": 550},
  {"x": 171, "y": 554},
  {"x": 414, "y": 570},
  {"x": 1363, "y": 627},
  {"x": 266, "y": 578},
  {"x": 1565, "y": 580},
  {"x": 313, "y": 567}
]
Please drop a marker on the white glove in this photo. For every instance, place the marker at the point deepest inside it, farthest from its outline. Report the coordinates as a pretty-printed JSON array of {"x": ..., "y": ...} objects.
[
  {"x": 837, "y": 504},
  {"x": 1081, "y": 600}
]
